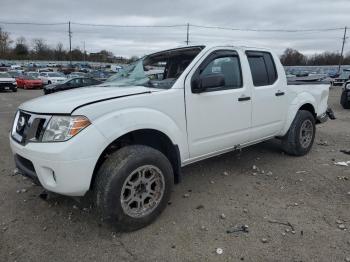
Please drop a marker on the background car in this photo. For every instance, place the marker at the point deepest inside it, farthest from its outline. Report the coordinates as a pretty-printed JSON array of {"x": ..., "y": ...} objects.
[
  {"x": 51, "y": 77},
  {"x": 76, "y": 74},
  {"x": 71, "y": 84},
  {"x": 340, "y": 80},
  {"x": 7, "y": 82},
  {"x": 32, "y": 73},
  {"x": 29, "y": 82}
]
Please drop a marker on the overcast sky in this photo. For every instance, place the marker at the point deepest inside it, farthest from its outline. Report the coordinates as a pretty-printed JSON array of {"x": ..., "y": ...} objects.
[{"x": 266, "y": 14}]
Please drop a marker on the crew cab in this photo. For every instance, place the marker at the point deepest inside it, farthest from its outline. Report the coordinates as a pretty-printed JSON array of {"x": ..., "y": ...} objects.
[{"x": 126, "y": 140}]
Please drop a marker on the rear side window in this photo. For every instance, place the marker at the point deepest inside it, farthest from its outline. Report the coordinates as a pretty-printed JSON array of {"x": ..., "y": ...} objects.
[{"x": 262, "y": 67}]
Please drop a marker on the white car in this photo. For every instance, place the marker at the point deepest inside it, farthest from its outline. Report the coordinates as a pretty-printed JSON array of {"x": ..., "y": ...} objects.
[
  {"x": 127, "y": 139},
  {"x": 51, "y": 77},
  {"x": 7, "y": 82}
]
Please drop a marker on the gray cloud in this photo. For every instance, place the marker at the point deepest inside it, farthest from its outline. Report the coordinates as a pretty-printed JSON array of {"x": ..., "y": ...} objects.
[{"x": 287, "y": 14}]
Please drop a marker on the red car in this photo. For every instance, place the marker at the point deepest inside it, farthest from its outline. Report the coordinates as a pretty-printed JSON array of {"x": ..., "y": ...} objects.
[{"x": 29, "y": 82}]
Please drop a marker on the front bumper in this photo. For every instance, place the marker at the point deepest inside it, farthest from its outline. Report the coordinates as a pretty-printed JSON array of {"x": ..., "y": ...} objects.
[
  {"x": 7, "y": 85},
  {"x": 63, "y": 167}
]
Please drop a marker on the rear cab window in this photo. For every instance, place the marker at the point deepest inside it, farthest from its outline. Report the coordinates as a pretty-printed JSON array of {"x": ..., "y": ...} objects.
[{"x": 262, "y": 67}]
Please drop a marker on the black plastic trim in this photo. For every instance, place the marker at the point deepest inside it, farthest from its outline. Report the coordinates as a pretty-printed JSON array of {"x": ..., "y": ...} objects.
[
  {"x": 27, "y": 172},
  {"x": 247, "y": 98}
]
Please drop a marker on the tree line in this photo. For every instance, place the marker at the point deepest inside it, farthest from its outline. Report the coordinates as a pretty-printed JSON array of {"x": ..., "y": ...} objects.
[
  {"x": 292, "y": 57},
  {"x": 38, "y": 49}
]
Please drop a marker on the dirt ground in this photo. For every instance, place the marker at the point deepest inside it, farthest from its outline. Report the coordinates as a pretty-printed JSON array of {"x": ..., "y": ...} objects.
[{"x": 311, "y": 193}]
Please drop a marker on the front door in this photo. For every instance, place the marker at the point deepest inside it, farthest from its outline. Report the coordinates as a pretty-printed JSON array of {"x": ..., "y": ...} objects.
[{"x": 219, "y": 117}]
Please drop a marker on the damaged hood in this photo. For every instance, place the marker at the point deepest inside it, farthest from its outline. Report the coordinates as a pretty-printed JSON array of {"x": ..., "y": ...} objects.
[{"x": 65, "y": 102}]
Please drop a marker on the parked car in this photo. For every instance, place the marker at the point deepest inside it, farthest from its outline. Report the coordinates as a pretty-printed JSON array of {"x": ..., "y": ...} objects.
[
  {"x": 70, "y": 84},
  {"x": 100, "y": 75},
  {"x": 51, "y": 77},
  {"x": 15, "y": 73},
  {"x": 76, "y": 74},
  {"x": 127, "y": 139},
  {"x": 345, "y": 96},
  {"x": 32, "y": 73},
  {"x": 29, "y": 82},
  {"x": 340, "y": 80},
  {"x": 7, "y": 82}
]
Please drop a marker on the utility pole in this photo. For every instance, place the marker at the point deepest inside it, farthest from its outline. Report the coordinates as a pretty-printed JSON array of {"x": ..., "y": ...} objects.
[
  {"x": 188, "y": 34},
  {"x": 342, "y": 50},
  {"x": 70, "y": 43},
  {"x": 84, "y": 52}
]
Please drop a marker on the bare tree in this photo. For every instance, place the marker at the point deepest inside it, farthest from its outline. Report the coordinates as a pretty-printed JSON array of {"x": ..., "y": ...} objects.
[
  {"x": 41, "y": 50},
  {"x": 59, "y": 51},
  {"x": 5, "y": 43},
  {"x": 292, "y": 57},
  {"x": 21, "y": 49}
]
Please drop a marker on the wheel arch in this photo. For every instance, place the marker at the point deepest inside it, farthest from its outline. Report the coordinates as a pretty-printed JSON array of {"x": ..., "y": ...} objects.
[
  {"x": 293, "y": 110},
  {"x": 148, "y": 137}
]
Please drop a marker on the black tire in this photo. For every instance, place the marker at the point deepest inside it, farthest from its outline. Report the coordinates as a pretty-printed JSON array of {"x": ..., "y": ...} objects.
[
  {"x": 49, "y": 82},
  {"x": 14, "y": 89},
  {"x": 111, "y": 177},
  {"x": 344, "y": 100},
  {"x": 291, "y": 142}
]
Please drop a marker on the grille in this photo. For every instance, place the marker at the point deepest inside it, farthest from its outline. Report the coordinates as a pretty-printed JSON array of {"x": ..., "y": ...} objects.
[{"x": 29, "y": 127}]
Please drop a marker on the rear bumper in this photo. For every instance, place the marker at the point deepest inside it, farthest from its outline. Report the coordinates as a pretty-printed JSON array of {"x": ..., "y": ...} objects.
[{"x": 324, "y": 117}]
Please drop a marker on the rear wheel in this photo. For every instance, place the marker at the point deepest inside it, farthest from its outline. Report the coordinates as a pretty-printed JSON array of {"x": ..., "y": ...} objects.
[
  {"x": 344, "y": 99},
  {"x": 133, "y": 187},
  {"x": 301, "y": 134}
]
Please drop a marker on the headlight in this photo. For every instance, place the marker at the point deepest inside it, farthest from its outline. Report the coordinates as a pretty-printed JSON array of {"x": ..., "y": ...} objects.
[
  {"x": 62, "y": 128},
  {"x": 14, "y": 83},
  {"x": 347, "y": 86}
]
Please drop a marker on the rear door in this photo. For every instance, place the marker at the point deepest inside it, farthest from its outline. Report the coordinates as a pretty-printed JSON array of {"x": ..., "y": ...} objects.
[
  {"x": 269, "y": 103},
  {"x": 218, "y": 118}
]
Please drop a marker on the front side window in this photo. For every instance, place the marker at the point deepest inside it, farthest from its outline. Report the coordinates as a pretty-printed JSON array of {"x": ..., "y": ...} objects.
[
  {"x": 228, "y": 67},
  {"x": 262, "y": 68}
]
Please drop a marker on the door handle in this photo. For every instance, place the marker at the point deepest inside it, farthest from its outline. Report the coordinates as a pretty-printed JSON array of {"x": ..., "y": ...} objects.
[
  {"x": 244, "y": 98},
  {"x": 279, "y": 93}
]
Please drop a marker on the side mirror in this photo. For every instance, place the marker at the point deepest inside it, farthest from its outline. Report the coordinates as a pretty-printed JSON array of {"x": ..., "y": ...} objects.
[{"x": 205, "y": 82}]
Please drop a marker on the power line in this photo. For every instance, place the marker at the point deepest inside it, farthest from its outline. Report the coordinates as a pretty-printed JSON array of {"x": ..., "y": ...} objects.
[
  {"x": 32, "y": 23},
  {"x": 268, "y": 30},
  {"x": 136, "y": 26},
  {"x": 178, "y": 25}
]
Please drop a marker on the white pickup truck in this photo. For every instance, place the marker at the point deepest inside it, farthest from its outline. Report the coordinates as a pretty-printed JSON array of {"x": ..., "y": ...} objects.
[{"x": 127, "y": 139}]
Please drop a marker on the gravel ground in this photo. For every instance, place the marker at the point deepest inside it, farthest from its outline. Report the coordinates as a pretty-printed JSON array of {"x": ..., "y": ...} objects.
[{"x": 310, "y": 193}]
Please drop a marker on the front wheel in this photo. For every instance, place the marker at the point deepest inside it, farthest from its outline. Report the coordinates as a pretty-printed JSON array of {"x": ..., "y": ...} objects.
[
  {"x": 301, "y": 134},
  {"x": 133, "y": 187}
]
